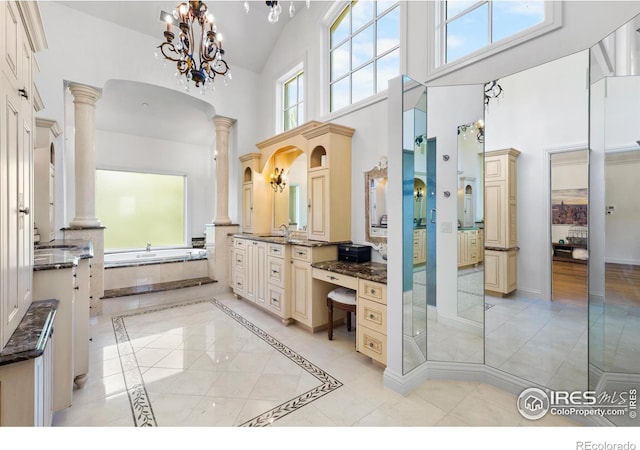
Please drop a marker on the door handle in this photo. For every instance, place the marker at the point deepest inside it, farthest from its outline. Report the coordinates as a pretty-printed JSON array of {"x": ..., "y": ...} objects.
[
  {"x": 24, "y": 210},
  {"x": 432, "y": 215}
]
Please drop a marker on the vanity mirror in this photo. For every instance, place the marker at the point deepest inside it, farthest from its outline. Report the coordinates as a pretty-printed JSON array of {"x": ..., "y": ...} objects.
[
  {"x": 375, "y": 195},
  {"x": 290, "y": 203}
]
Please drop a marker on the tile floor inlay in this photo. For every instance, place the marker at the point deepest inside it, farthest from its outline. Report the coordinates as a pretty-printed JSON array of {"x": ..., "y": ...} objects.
[{"x": 141, "y": 402}]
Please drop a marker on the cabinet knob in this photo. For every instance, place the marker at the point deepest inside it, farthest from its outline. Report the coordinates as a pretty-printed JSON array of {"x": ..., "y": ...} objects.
[
  {"x": 24, "y": 210},
  {"x": 371, "y": 316},
  {"x": 23, "y": 93},
  {"x": 373, "y": 291},
  {"x": 371, "y": 344}
]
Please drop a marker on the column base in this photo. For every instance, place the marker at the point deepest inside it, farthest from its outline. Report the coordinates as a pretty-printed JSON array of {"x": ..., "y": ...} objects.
[{"x": 222, "y": 221}]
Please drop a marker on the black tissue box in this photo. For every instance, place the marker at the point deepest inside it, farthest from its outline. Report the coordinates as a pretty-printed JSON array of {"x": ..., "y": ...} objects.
[{"x": 354, "y": 253}]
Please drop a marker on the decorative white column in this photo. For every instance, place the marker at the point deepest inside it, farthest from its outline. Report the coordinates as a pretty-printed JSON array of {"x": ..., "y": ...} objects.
[
  {"x": 223, "y": 125},
  {"x": 84, "y": 101}
]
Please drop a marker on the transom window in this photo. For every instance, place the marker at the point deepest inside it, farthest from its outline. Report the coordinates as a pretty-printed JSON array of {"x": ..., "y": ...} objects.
[
  {"x": 294, "y": 101},
  {"x": 364, "y": 51},
  {"x": 472, "y": 25},
  {"x": 139, "y": 208}
]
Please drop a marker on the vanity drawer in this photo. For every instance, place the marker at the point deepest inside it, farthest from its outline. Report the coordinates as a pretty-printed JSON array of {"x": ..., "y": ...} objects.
[
  {"x": 276, "y": 298},
  {"x": 239, "y": 243},
  {"x": 275, "y": 271},
  {"x": 372, "y": 315},
  {"x": 276, "y": 250},
  {"x": 372, "y": 344},
  {"x": 373, "y": 291},
  {"x": 238, "y": 256},
  {"x": 301, "y": 253},
  {"x": 238, "y": 284},
  {"x": 336, "y": 278}
]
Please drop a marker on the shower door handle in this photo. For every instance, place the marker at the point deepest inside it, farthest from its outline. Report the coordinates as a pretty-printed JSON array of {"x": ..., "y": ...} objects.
[{"x": 432, "y": 215}]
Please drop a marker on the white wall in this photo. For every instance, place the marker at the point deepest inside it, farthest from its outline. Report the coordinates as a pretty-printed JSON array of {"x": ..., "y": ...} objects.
[{"x": 120, "y": 151}]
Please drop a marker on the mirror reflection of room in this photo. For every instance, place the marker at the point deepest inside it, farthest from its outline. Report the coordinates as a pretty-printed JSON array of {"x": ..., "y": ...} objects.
[
  {"x": 525, "y": 335},
  {"x": 471, "y": 221},
  {"x": 569, "y": 227}
]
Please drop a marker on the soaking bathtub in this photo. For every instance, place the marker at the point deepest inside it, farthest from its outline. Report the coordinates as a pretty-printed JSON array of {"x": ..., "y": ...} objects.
[{"x": 127, "y": 269}]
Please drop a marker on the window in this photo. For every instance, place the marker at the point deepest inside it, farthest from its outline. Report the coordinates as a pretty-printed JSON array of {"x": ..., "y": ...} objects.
[
  {"x": 293, "y": 101},
  {"x": 473, "y": 25},
  {"x": 137, "y": 208},
  {"x": 364, "y": 51}
]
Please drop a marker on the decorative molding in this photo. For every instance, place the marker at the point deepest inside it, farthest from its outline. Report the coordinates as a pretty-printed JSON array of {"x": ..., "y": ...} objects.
[{"x": 30, "y": 12}]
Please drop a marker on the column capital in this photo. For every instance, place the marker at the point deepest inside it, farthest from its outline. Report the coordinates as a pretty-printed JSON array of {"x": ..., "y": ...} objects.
[
  {"x": 84, "y": 94},
  {"x": 222, "y": 122}
]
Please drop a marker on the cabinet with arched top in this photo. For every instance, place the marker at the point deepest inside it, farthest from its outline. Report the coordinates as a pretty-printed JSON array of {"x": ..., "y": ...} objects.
[{"x": 329, "y": 182}]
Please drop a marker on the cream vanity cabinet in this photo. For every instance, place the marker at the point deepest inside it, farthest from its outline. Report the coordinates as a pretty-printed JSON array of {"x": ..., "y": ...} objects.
[
  {"x": 468, "y": 247},
  {"x": 70, "y": 284},
  {"x": 372, "y": 320},
  {"x": 60, "y": 284},
  {"x": 278, "y": 280},
  {"x": 500, "y": 224},
  {"x": 329, "y": 182},
  {"x": 304, "y": 288},
  {"x": 26, "y": 386},
  {"x": 239, "y": 267},
  {"x": 256, "y": 261},
  {"x": 44, "y": 172}
]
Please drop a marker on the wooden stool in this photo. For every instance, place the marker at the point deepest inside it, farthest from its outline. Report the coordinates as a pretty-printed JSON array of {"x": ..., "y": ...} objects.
[{"x": 344, "y": 299}]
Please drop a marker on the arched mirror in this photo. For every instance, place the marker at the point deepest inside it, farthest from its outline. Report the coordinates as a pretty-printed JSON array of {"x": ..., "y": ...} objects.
[{"x": 375, "y": 194}]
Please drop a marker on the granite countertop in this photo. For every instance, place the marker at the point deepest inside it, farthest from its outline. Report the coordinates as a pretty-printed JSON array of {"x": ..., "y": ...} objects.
[
  {"x": 30, "y": 338},
  {"x": 61, "y": 253},
  {"x": 372, "y": 271},
  {"x": 279, "y": 239}
]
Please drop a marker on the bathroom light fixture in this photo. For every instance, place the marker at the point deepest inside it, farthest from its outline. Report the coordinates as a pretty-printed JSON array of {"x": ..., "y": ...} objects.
[
  {"x": 491, "y": 90},
  {"x": 198, "y": 52},
  {"x": 275, "y": 9},
  {"x": 418, "y": 193},
  {"x": 277, "y": 180}
]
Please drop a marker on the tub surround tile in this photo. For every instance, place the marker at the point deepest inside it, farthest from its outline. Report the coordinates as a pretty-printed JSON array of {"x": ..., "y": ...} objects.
[
  {"x": 29, "y": 339},
  {"x": 157, "y": 287}
]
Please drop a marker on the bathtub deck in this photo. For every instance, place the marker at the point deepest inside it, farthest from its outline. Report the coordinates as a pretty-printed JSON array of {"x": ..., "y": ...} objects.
[{"x": 157, "y": 287}]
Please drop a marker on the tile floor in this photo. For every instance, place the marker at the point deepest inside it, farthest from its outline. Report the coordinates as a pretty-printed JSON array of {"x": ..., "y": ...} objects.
[{"x": 226, "y": 363}]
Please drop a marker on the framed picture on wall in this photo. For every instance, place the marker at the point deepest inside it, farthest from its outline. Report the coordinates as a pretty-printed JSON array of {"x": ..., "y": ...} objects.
[{"x": 569, "y": 206}]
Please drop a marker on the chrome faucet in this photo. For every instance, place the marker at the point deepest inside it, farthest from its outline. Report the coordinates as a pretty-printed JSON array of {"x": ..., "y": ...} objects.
[
  {"x": 286, "y": 230},
  {"x": 148, "y": 247}
]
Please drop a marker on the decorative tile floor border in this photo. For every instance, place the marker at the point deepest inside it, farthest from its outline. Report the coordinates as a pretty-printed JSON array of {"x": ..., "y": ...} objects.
[{"x": 141, "y": 408}]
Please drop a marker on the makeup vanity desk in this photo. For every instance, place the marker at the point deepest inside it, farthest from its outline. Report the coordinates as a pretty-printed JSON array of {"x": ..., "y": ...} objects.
[{"x": 369, "y": 280}]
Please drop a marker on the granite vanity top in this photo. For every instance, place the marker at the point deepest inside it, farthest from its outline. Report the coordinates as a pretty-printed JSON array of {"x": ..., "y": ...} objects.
[
  {"x": 30, "y": 338},
  {"x": 277, "y": 239},
  {"x": 61, "y": 253},
  {"x": 372, "y": 271}
]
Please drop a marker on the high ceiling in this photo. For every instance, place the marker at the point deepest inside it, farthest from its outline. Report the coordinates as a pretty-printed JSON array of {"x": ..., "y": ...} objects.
[
  {"x": 248, "y": 37},
  {"x": 141, "y": 109}
]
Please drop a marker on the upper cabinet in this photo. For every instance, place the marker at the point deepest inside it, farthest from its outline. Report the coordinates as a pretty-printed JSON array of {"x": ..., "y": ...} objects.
[
  {"x": 313, "y": 198},
  {"x": 501, "y": 199},
  {"x": 21, "y": 34}
]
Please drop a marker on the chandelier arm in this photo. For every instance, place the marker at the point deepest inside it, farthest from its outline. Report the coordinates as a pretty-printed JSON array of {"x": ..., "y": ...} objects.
[{"x": 171, "y": 48}]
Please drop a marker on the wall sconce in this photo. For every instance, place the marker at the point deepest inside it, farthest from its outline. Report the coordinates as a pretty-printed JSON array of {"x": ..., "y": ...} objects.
[
  {"x": 491, "y": 90},
  {"x": 277, "y": 180},
  {"x": 418, "y": 194}
]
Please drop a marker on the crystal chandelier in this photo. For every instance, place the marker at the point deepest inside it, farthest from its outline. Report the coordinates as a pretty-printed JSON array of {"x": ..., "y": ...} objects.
[
  {"x": 197, "y": 52},
  {"x": 275, "y": 9}
]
